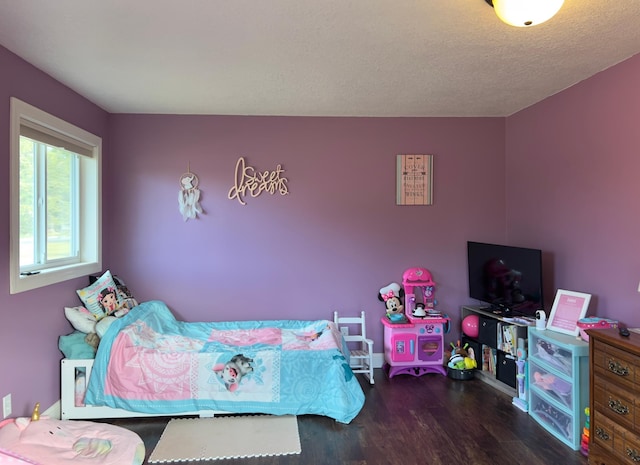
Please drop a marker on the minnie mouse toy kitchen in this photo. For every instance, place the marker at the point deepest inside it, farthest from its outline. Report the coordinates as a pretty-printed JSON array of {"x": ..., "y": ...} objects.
[{"x": 414, "y": 340}]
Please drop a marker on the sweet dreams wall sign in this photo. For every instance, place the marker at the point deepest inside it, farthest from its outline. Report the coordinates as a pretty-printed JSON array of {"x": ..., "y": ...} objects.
[{"x": 249, "y": 181}]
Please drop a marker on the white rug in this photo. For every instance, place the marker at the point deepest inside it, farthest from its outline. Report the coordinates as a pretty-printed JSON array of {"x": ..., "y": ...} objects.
[{"x": 194, "y": 439}]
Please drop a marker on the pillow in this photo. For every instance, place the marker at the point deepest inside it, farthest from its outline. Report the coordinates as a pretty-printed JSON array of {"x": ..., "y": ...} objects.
[
  {"x": 124, "y": 294},
  {"x": 81, "y": 319},
  {"x": 101, "y": 297}
]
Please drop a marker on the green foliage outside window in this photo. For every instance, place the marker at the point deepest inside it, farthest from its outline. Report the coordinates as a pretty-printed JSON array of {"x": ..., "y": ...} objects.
[{"x": 57, "y": 197}]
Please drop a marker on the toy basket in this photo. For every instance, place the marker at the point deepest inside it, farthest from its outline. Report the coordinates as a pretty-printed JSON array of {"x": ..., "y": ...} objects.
[{"x": 454, "y": 373}]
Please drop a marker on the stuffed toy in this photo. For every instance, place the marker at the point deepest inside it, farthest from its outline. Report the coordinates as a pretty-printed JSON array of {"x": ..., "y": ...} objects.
[
  {"x": 392, "y": 295},
  {"x": 84, "y": 321},
  {"x": 61, "y": 442},
  {"x": 92, "y": 339}
]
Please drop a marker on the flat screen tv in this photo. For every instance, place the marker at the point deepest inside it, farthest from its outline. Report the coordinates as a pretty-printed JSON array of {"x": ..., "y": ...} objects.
[{"x": 507, "y": 279}]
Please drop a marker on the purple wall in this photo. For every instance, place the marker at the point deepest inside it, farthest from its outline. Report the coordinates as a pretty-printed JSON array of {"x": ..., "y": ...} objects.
[
  {"x": 32, "y": 321},
  {"x": 572, "y": 188},
  {"x": 331, "y": 243}
]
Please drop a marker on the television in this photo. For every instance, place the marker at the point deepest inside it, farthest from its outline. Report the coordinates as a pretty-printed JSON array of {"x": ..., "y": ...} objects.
[{"x": 506, "y": 279}]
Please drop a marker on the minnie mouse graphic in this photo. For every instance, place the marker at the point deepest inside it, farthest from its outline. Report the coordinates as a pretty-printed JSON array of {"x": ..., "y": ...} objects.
[{"x": 392, "y": 295}]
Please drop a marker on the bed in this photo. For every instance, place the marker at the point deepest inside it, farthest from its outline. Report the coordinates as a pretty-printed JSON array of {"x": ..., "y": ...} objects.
[{"x": 150, "y": 363}]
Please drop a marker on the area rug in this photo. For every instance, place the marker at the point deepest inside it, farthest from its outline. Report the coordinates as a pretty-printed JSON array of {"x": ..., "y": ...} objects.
[{"x": 195, "y": 439}]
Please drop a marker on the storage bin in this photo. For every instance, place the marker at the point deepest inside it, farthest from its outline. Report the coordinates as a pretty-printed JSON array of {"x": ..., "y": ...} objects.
[
  {"x": 506, "y": 368},
  {"x": 488, "y": 331},
  {"x": 556, "y": 421},
  {"x": 553, "y": 354},
  {"x": 556, "y": 386}
]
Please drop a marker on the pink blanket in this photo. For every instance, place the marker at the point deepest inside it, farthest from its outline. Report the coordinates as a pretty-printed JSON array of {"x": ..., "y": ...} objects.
[{"x": 150, "y": 362}]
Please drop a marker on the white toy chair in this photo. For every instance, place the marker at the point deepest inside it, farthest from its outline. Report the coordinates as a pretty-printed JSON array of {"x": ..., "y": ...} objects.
[{"x": 360, "y": 348}]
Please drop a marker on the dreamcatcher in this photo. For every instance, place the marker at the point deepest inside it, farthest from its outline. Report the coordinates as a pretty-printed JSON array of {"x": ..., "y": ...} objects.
[{"x": 189, "y": 196}]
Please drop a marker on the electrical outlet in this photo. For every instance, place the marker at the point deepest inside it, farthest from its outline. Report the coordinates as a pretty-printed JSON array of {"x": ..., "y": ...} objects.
[
  {"x": 344, "y": 330},
  {"x": 6, "y": 406}
]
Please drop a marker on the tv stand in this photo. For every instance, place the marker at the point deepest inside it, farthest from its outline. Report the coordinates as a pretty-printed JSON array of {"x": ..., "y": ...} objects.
[
  {"x": 500, "y": 359},
  {"x": 499, "y": 309}
]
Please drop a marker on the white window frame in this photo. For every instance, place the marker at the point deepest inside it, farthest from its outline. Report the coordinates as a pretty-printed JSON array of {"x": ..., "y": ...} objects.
[{"x": 90, "y": 211}]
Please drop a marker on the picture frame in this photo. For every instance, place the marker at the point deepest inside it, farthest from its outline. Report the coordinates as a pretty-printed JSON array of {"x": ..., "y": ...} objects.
[
  {"x": 414, "y": 180},
  {"x": 568, "y": 307}
]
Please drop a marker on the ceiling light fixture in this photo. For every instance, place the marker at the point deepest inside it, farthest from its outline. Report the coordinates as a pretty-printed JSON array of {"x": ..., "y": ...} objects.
[{"x": 525, "y": 13}]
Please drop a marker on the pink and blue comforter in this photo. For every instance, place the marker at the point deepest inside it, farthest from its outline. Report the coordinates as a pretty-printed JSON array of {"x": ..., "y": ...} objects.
[{"x": 152, "y": 363}]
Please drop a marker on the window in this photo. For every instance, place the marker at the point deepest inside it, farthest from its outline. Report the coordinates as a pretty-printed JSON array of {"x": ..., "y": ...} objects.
[{"x": 55, "y": 200}]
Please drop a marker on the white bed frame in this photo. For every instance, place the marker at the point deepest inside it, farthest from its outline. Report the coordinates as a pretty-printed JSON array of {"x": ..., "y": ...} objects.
[{"x": 69, "y": 369}]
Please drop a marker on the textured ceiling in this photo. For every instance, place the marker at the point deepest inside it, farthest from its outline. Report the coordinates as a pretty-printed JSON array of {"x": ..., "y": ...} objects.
[{"x": 316, "y": 58}]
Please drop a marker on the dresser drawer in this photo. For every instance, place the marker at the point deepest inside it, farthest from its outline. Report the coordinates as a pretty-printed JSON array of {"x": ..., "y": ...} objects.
[
  {"x": 630, "y": 449},
  {"x": 616, "y": 403},
  {"x": 600, "y": 456},
  {"x": 608, "y": 438},
  {"x": 603, "y": 431},
  {"x": 612, "y": 438},
  {"x": 615, "y": 365}
]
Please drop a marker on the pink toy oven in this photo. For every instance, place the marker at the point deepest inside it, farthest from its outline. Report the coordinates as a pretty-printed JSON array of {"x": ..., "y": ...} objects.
[{"x": 416, "y": 347}]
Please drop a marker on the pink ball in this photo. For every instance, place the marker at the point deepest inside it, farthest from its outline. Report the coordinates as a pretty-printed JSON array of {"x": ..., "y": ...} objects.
[{"x": 471, "y": 325}]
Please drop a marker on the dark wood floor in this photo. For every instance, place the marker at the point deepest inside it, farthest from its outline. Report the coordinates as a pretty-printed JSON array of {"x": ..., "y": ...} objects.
[{"x": 406, "y": 420}]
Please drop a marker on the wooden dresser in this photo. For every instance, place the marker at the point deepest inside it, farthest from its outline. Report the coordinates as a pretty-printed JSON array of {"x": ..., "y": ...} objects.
[{"x": 614, "y": 388}]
